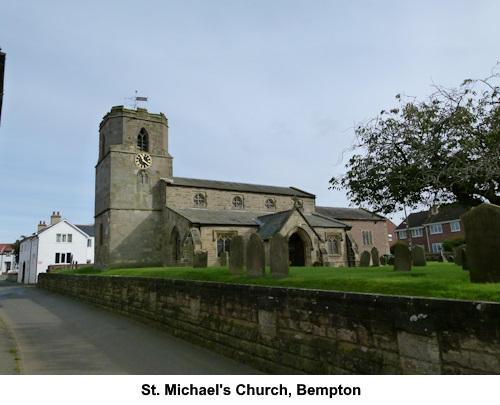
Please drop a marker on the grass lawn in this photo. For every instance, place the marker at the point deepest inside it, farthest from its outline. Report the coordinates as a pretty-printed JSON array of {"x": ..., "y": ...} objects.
[{"x": 439, "y": 280}]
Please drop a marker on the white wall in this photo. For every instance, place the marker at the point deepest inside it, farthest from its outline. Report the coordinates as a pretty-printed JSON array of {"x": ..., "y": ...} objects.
[{"x": 39, "y": 252}]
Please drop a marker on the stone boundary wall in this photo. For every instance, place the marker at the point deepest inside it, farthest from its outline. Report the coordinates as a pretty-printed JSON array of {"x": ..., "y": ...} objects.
[{"x": 295, "y": 331}]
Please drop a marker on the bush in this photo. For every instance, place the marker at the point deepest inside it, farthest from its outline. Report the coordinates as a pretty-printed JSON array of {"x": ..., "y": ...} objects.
[
  {"x": 448, "y": 245},
  {"x": 395, "y": 244}
]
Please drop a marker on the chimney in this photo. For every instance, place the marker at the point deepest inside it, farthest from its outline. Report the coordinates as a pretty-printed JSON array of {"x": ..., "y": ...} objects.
[
  {"x": 41, "y": 226},
  {"x": 55, "y": 218},
  {"x": 434, "y": 209}
]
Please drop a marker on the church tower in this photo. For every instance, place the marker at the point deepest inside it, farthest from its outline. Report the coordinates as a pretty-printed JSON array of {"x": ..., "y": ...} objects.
[{"x": 133, "y": 158}]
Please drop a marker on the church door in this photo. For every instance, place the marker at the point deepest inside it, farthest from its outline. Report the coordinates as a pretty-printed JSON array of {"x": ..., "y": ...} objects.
[{"x": 296, "y": 250}]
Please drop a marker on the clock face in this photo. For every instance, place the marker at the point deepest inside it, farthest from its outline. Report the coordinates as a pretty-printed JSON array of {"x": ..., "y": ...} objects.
[{"x": 143, "y": 160}]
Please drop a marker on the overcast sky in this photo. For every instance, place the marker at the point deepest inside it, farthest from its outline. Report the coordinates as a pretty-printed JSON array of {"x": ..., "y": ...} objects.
[{"x": 255, "y": 91}]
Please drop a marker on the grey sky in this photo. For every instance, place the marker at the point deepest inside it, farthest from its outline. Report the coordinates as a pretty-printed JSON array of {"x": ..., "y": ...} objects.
[{"x": 263, "y": 91}]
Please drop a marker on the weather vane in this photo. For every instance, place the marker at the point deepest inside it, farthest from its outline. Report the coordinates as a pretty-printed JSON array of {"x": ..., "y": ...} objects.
[{"x": 136, "y": 99}]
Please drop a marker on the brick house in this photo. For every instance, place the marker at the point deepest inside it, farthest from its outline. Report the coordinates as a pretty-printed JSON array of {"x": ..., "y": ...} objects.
[{"x": 431, "y": 228}]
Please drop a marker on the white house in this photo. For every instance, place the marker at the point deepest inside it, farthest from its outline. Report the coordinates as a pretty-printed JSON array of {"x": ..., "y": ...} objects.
[
  {"x": 7, "y": 258},
  {"x": 60, "y": 243}
]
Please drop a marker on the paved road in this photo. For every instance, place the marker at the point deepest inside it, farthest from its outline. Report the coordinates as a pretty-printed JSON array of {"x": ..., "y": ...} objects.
[{"x": 54, "y": 334}]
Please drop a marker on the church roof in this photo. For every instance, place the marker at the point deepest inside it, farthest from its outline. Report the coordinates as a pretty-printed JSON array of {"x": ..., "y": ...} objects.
[
  {"x": 218, "y": 217},
  {"x": 349, "y": 214},
  {"x": 268, "y": 223},
  {"x": 241, "y": 187}
]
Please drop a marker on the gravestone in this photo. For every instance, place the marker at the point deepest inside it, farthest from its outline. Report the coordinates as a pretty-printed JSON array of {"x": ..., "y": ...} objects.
[
  {"x": 418, "y": 256},
  {"x": 256, "y": 257},
  {"x": 236, "y": 257},
  {"x": 458, "y": 255},
  {"x": 482, "y": 237},
  {"x": 224, "y": 259},
  {"x": 200, "y": 259},
  {"x": 464, "y": 259},
  {"x": 383, "y": 260},
  {"x": 279, "y": 261},
  {"x": 364, "y": 260},
  {"x": 402, "y": 258},
  {"x": 375, "y": 257}
]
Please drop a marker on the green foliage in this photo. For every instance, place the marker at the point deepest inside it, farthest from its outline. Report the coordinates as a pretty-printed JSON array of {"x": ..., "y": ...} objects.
[
  {"x": 443, "y": 149},
  {"x": 393, "y": 246},
  {"x": 448, "y": 245},
  {"x": 440, "y": 280}
]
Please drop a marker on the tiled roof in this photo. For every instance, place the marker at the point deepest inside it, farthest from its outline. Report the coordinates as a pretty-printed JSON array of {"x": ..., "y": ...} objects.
[
  {"x": 241, "y": 187},
  {"x": 218, "y": 217},
  {"x": 271, "y": 224},
  {"x": 88, "y": 229},
  {"x": 415, "y": 220},
  {"x": 348, "y": 213},
  {"x": 5, "y": 247},
  {"x": 446, "y": 214}
]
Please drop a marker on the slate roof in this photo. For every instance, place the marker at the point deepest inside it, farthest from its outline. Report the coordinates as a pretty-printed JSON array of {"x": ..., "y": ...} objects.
[
  {"x": 415, "y": 220},
  {"x": 268, "y": 223},
  {"x": 88, "y": 229},
  {"x": 349, "y": 214},
  {"x": 446, "y": 213},
  {"x": 218, "y": 217},
  {"x": 241, "y": 187}
]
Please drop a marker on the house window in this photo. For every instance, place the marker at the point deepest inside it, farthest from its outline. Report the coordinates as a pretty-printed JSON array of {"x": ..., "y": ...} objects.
[
  {"x": 64, "y": 238},
  {"x": 417, "y": 233},
  {"x": 390, "y": 237},
  {"x": 69, "y": 256},
  {"x": 224, "y": 242},
  {"x": 89, "y": 242},
  {"x": 237, "y": 202},
  {"x": 199, "y": 200},
  {"x": 437, "y": 247},
  {"x": 63, "y": 257},
  {"x": 455, "y": 226},
  {"x": 436, "y": 228},
  {"x": 402, "y": 234},
  {"x": 142, "y": 140},
  {"x": 367, "y": 238},
  {"x": 58, "y": 258}
]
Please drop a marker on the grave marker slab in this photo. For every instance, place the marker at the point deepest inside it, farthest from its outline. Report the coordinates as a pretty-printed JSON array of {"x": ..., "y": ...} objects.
[
  {"x": 418, "y": 256},
  {"x": 256, "y": 257},
  {"x": 482, "y": 237},
  {"x": 236, "y": 255},
  {"x": 402, "y": 258},
  {"x": 375, "y": 257},
  {"x": 364, "y": 260},
  {"x": 279, "y": 260}
]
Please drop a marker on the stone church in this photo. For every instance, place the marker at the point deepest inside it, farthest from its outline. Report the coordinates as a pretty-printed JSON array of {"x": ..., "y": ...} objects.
[{"x": 146, "y": 216}]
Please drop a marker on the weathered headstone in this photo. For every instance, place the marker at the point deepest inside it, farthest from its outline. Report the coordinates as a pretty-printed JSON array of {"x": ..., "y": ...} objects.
[
  {"x": 236, "y": 257},
  {"x": 364, "y": 260},
  {"x": 390, "y": 260},
  {"x": 256, "y": 257},
  {"x": 464, "y": 259},
  {"x": 383, "y": 260},
  {"x": 279, "y": 261},
  {"x": 458, "y": 255},
  {"x": 375, "y": 257},
  {"x": 418, "y": 256},
  {"x": 402, "y": 258},
  {"x": 482, "y": 238},
  {"x": 200, "y": 259},
  {"x": 224, "y": 259}
]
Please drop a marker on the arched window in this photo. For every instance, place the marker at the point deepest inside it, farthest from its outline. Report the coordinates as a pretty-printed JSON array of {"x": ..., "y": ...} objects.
[
  {"x": 143, "y": 177},
  {"x": 143, "y": 141}
]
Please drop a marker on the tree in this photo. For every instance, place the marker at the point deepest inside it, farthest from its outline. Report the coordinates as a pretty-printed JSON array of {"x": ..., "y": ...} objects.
[{"x": 445, "y": 149}]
